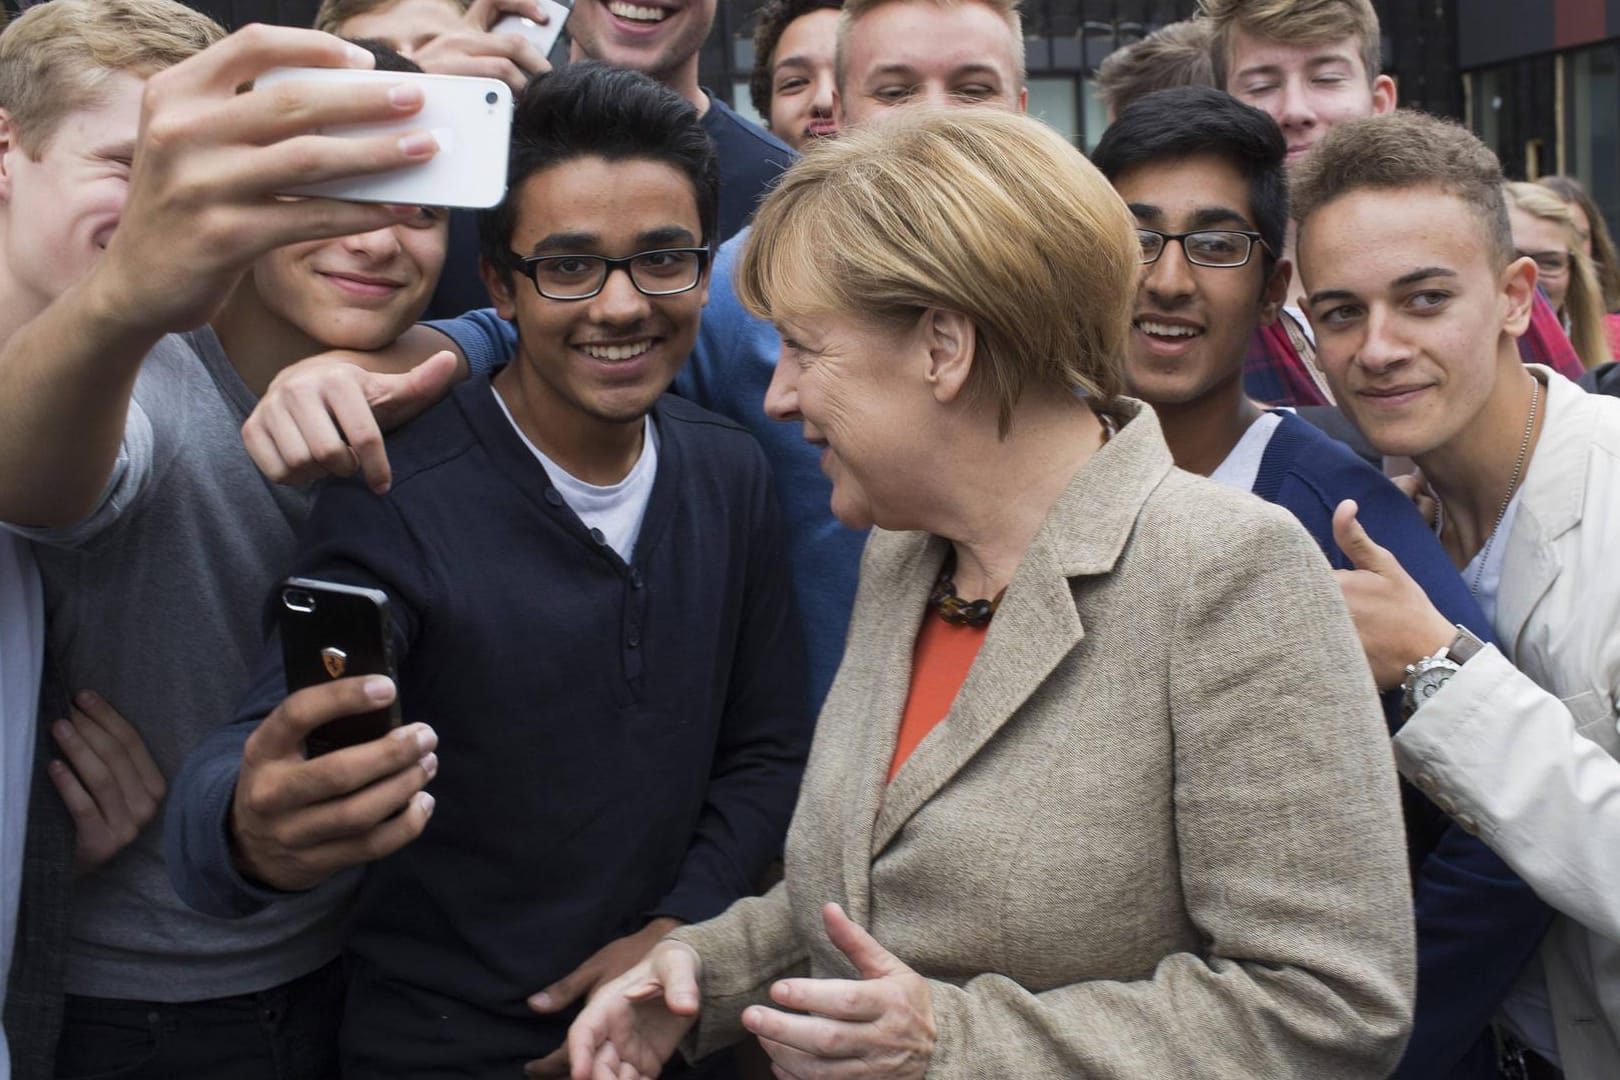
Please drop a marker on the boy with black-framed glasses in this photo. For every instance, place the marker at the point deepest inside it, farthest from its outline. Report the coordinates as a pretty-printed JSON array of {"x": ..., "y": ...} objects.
[
  {"x": 1198, "y": 160},
  {"x": 600, "y": 664}
]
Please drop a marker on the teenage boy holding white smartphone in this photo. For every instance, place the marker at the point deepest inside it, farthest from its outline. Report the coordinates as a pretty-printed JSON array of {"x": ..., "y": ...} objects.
[{"x": 156, "y": 539}]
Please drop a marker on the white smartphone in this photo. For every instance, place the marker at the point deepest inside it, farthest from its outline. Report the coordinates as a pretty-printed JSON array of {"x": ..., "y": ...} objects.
[
  {"x": 470, "y": 117},
  {"x": 543, "y": 35}
]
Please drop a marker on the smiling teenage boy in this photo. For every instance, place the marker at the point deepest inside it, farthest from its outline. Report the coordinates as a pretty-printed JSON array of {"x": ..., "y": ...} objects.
[
  {"x": 1204, "y": 176},
  {"x": 901, "y": 52},
  {"x": 592, "y": 609},
  {"x": 70, "y": 79},
  {"x": 120, "y": 452},
  {"x": 1312, "y": 65},
  {"x": 1417, "y": 298},
  {"x": 662, "y": 39}
]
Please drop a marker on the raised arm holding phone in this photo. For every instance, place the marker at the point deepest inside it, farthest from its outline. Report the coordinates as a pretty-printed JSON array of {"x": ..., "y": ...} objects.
[
  {"x": 201, "y": 207},
  {"x": 122, "y": 467}
]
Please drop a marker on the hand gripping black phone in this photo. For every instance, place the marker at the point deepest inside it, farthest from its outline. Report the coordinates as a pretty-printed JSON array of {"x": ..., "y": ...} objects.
[{"x": 331, "y": 631}]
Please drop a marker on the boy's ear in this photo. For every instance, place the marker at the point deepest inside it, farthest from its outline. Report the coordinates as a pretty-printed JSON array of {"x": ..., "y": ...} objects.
[
  {"x": 9, "y": 145},
  {"x": 1275, "y": 292},
  {"x": 1519, "y": 290},
  {"x": 1384, "y": 95},
  {"x": 500, "y": 284}
]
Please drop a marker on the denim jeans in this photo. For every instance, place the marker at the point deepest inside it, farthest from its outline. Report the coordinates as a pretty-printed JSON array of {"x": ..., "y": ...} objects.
[{"x": 288, "y": 1032}]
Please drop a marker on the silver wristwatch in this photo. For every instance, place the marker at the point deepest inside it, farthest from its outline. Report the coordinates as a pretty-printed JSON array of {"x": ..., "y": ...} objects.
[{"x": 1425, "y": 678}]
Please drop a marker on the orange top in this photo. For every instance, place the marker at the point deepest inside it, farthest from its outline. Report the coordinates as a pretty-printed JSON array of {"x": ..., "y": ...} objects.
[{"x": 939, "y": 667}]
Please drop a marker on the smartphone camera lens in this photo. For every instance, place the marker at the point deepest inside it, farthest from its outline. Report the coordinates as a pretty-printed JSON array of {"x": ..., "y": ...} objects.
[
  {"x": 298, "y": 600},
  {"x": 490, "y": 98}
]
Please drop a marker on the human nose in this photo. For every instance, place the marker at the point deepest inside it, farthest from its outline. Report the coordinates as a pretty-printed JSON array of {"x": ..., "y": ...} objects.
[
  {"x": 619, "y": 301},
  {"x": 782, "y": 396},
  {"x": 379, "y": 245},
  {"x": 1170, "y": 276},
  {"x": 1381, "y": 346},
  {"x": 1294, "y": 109},
  {"x": 824, "y": 95}
]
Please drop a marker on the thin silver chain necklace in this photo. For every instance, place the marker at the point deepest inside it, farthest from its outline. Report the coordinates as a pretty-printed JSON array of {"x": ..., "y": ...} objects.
[{"x": 1507, "y": 500}]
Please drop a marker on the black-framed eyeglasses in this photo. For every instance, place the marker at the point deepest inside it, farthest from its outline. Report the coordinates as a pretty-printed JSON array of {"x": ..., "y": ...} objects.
[
  {"x": 1548, "y": 262},
  {"x": 1203, "y": 247},
  {"x": 661, "y": 272}
]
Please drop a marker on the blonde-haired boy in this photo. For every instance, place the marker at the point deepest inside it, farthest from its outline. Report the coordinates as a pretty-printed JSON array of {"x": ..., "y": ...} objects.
[
  {"x": 104, "y": 104},
  {"x": 1314, "y": 64},
  {"x": 70, "y": 90}
]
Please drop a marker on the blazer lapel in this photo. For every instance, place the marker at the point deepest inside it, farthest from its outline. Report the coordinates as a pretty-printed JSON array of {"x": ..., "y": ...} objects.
[
  {"x": 1550, "y": 504},
  {"x": 1035, "y": 628},
  {"x": 882, "y": 642},
  {"x": 1038, "y": 623}
]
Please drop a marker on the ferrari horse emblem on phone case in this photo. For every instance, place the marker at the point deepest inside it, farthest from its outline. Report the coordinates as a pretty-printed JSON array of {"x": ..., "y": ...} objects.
[{"x": 336, "y": 661}]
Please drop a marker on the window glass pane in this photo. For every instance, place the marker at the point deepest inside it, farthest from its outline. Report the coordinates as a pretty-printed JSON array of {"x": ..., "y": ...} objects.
[
  {"x": 1066, "y": 52},
  {"x": 1490, "y": 99},
  {"x": 1593, "y": 133},
  {"x": 1096, "y": 115},
  {"x": 740, "y": 102},
  {"x": 1037, "y": 53},
  {"x": 1052, "y": 101}
]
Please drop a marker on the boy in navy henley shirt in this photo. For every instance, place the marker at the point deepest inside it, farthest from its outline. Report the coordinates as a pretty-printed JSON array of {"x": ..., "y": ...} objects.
[{"x": 600, "y": 663}]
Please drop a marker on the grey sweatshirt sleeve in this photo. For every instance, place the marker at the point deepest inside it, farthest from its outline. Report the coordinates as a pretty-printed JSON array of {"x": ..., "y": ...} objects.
[{"x": 196, "y": 827}]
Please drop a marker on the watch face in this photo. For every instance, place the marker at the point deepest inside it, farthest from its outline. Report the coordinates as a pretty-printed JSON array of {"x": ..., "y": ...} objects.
[{"x": 1428, "y": 683}]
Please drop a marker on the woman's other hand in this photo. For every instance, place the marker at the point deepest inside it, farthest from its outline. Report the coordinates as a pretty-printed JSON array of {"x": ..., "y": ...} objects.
[
  {"x": 881, "y": 1025},
  {"x": 632, "y": 1025}
]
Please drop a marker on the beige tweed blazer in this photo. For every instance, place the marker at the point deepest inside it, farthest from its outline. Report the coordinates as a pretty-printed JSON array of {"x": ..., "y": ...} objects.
[{"x": 1158, "y": 835}]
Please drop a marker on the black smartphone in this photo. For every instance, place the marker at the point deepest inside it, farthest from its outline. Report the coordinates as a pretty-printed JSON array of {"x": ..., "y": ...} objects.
[{"x": 331, "y": 631}]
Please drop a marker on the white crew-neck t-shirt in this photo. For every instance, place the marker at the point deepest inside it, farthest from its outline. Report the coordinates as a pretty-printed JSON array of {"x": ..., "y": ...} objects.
[{"x": 617, "y": 510}]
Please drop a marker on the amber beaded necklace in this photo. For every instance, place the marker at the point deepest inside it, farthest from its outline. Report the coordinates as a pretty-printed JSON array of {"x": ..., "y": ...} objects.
[{"x": 958, "y": 612}]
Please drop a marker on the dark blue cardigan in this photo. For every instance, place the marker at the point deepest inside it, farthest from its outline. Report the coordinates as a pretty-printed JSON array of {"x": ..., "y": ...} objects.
[
  {"x": 1477, "y": 923},
  {"x": 615, "y": 741}
]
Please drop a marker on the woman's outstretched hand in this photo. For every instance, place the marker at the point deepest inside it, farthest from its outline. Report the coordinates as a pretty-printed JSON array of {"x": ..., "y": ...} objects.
[{"x": 632, "y": 1025}]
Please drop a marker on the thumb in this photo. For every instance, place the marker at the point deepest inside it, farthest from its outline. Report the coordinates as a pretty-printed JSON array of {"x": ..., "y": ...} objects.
[
  {"x": 872, "y": 960},
  {"x": 1353, "y": 540},
  {"x": 422, "y": 385},
  {"x": 670, "y": 971},
  {"x": 281, "y": 734}
]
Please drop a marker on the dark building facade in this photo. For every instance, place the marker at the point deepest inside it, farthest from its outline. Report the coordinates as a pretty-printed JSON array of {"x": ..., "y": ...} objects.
[{"x": 1542, "y": 86}]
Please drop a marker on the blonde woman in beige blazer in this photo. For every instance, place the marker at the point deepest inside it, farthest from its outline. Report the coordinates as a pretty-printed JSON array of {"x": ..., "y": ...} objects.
[{"x": 1155, "y": 833}]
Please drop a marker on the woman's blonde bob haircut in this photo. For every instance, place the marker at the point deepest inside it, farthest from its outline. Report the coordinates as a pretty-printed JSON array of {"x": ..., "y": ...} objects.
[{"x": 977, "y": 211}]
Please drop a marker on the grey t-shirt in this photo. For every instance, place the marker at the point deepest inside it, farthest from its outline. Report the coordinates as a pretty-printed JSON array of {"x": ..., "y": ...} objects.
[{"x": 157, "y": 602}]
